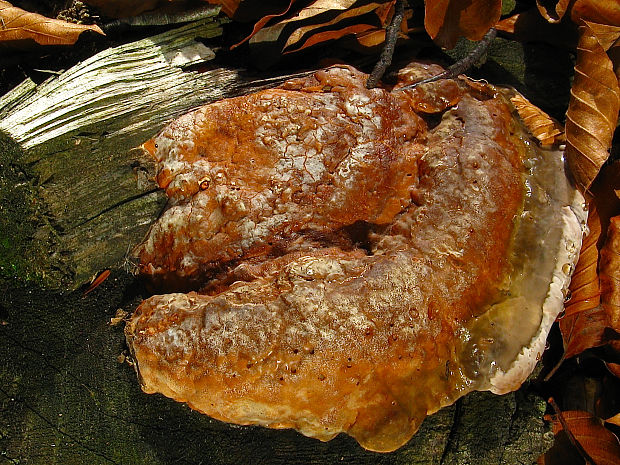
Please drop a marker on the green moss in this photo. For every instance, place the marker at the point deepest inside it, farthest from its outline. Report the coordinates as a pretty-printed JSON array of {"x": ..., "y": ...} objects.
[{"x": 23, "y": 246}]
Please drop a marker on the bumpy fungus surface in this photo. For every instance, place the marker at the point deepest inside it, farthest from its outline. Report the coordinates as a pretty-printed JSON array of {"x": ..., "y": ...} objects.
[{"x": 364, "y": 257}]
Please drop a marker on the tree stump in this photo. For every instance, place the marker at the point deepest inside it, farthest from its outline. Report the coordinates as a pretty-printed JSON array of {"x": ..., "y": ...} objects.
[{"x": 76, "y": 197}]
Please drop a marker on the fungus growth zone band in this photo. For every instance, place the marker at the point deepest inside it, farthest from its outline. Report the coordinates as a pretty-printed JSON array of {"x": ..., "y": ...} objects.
[{"x": 362, "y": 257}]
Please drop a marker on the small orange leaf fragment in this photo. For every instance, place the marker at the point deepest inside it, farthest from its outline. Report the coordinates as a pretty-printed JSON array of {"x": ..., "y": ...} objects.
[
  {"x": 610, "y": 274},
  {"x": 593, "y": 110},
  {"x": 17, "y": 24},
  {"x": 614, "y": 369},
  {"x": 547, "y": 130},
  {"x": 101, "y": 277},
  {"x": 614, "y": 420}
]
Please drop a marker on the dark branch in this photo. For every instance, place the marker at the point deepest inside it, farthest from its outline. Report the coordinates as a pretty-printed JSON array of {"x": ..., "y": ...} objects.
[
  {"x": 391, "y": 35},
  {"x": 463, "y": 65}
]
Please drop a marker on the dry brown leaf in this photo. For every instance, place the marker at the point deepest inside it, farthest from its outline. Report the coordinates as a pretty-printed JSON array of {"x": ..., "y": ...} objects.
[
  {"x": 552, "y": 11},
  {"x": 597, "y": 11},
  {"x": 448, "y": 20},
  {"x": 600, "y": 443},
  {"x": 18, "y": 25},
  {"x": 371, "y": 38},
  {"x": 593, "y": 110},
  {"x": 299, "y": 33},
  {"x": 583, "y": 331},
  {"x": 229, "y": 7},
  {"x": 260, "y": 24},
  {"x": 605, "y": 34},
  {"x": 584, "y": 286},
  {"x": 584, "y": 321},
  {"x": 333, "y": 35},
  {"x": 614, "y": 369},
  {"x": 272, "y": 33},
  {"x": 615, "y": 419},
  {"x": 610, "y": 274},
  {"x": 547, "y": 130}
]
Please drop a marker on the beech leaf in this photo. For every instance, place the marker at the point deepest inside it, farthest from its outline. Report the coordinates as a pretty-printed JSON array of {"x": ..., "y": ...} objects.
[
  {"x": 298, "y": 34},
  {"x": 260, "y": 24},
  {"x": 547, "y": 130},
  {"x": 272, "y": 33},
  {"x": 584, "y": 286},
  {"x": 583, "y": 331},
  {"x": 599, "y": 443},
  {"x": 598, "y": 11},
  {"x": 593, "y": 110},
  {"x": 17, "y": 24},
  {"x": 333, "y": 35},
  {"x": 615, "y": 419},
  {"x": 448, "y": 20},
  {"x": 552, "y": 13},
  {"x": 614, "y": 369},
  {"x": 610, "y": 274}
]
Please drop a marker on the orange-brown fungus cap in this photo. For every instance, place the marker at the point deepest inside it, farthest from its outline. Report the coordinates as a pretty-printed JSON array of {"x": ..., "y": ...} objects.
[{"x": 362, "y": 257}]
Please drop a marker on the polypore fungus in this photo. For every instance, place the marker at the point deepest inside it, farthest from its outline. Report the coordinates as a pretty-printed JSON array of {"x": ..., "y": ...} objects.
[{"x": 363, "y": 257}]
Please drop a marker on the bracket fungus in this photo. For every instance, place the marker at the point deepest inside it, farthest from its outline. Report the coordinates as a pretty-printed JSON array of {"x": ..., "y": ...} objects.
[{"x": 359, "y": 258}]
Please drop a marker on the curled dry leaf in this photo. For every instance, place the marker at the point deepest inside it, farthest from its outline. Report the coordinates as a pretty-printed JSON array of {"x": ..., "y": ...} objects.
[
  {"x": 584, "y": 321},
  {"x": 615, "y": 419},
  {"x": 324, "y": 20},
  {"x": 301, "y": 32},
  {"x": 584, "y": 286},
  {"x": 610, "y": 274},
  {"x": 598, "y": 11},
  {"x": 583, "y": 331},
  {"x": 17, "y": 25},
  {"x": 552, "y": 12},
  {"x": 614, "y": 369},
  {"x": 598, "y": 442},
  {"x": 260, "y": 24},
  {"x": 448, "y": 20},
  {"x": 272, "y": 33},
  {"x": 547, "y": 130},
  {"x": 593, "y": 110}
]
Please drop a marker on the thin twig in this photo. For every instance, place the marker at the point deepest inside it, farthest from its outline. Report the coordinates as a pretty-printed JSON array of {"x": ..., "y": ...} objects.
[
  {"x": 391, "y": 35},
  {"x": 569, "y": 433},
  {"x": 462, "y": 65}
]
